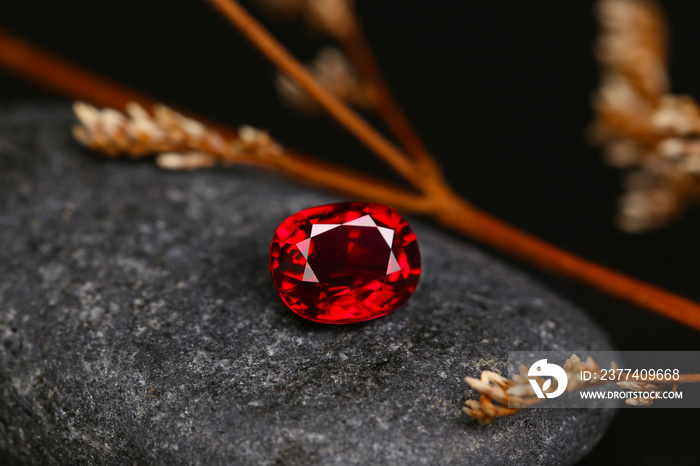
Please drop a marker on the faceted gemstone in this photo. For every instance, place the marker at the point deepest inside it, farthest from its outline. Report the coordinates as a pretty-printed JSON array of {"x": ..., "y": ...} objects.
[{"x": 345, "y": 262}]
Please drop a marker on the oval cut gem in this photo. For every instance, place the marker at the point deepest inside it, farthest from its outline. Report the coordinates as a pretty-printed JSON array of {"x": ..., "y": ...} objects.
[{"x": 346, "y": 262}]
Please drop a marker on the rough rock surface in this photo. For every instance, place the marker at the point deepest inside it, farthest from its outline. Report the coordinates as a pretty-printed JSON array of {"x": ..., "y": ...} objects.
[{"x": 139, "y": 324}]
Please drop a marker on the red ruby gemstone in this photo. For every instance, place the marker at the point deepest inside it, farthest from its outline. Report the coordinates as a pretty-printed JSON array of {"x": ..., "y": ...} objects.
[{"x": 345, "y": 262}]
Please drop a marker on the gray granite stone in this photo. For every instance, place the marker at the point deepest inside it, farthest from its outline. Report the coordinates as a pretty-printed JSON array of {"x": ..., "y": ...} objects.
[{"x": 139, "y": 324}]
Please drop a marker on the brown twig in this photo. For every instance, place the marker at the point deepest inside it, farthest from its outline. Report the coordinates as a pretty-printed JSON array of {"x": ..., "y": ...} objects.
[
  {"x": 21, "y": 58},
  {"x": 467, "y": 219},
  {"x": 25, "y": 60},
  {"x": 282, "y": 59},
  {"x": 442, "y": 204},
  {"x": 359, "y": 51},
  {"x": 339, "y": 20},
  {"x": 457, "y": 214}
]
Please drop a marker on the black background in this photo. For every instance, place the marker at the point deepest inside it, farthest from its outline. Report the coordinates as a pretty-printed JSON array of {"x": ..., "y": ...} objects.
[{"x": 500, "y": 92}]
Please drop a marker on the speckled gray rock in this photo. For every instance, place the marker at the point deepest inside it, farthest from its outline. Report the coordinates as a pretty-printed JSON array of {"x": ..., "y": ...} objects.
[{"x": 139, "y": 324}]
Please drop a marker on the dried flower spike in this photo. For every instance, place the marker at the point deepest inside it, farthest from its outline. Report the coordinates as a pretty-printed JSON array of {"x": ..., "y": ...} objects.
[
  {"x": 330, "y": 17},
  {"x": 180, "y": 143},
  {"x": 332, "y": 70},
  {"x": 640, "y": 126}
]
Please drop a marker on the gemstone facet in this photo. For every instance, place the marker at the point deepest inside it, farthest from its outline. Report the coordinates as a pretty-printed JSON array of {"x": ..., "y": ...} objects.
[{"x": 346, "y": 262}]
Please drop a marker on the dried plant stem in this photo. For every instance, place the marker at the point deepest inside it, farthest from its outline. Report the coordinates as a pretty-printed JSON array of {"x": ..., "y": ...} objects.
[
  {"x": 442, "y": 204},
  {"x": 59, "y": 75},
  {"x": 349, "y": 182},
  {"x": 358, "y": 50},
  {"x": 282, "y": 59},
  {"x": 474, "y": 223},
  {"x": 456, "y": 213},
  {"x": 47, "y": 70}
]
